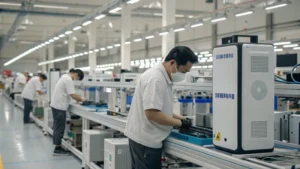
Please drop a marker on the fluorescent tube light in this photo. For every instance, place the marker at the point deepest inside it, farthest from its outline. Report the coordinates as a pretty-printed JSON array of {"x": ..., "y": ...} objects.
[
  {"x": 109, "y": 47},
  {"x": 281, "y": 43},
  {"x": 179, "y": 29},
  {"x": 208, "y": 55},
  {"x": 50, "y": 6},
  {"x": 9, "y": 4},
  {"x": 204, "y": 53},
  {"x": 56, "y": 38},
  {"x": 117, "y": 45},
  {"x": 68, "y": 32},
  {"x": 115, "y": 10},
  {"x": 99, "y": 17},
  {"x": 77, "y": 28},
  {"x": 196, "y": 25},
  {"x": 62, "y": 35},
  {"x": 297, "y": 48},
  {"x": 86, "y": 23},
  {"x": 149, "y": 37},
  {"x": 275, "y": 6},
  {"x": 102, "y": 49},
  {"x": 278, "y": 50},
  {"x": 179, "y": 16},
  {"x": 163, "y": 33},
  {"x": 127, "y": 43},
  {"x": 91, "y": 51},
  {"x": 96, "y": 50},
  {"x": 218, "y": 19},
  {"x": 291, "y": 46},
  {"x": 244, "y": 13},
  {"x": 137, "y": 40},
  {"x": 132, "y": 1},
  {"x": 85, "y": 53},
  {"x": 51, "y": 40}
]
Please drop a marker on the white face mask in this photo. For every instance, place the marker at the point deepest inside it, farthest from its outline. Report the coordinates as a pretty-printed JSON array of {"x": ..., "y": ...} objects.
[{"x": 177, "y": 76}]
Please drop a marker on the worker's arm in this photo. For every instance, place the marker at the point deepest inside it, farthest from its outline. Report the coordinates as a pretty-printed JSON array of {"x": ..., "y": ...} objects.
[
  {"x": 77, "y": 98},
  {"x": 161, "y": 118},
  {"x": 40, "y": 92},
  {"x": 179, "y": 117}
]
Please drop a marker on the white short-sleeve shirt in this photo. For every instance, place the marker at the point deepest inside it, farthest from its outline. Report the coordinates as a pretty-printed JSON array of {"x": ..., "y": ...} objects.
[
  {"x": 19, "y": 83},
  {"x": 153, "y": 91},
  {"x": 32, "y": 86},
  {"x": 62, "y": 93}
]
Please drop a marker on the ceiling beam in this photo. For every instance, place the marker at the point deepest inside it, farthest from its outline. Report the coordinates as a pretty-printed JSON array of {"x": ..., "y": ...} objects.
[{"x": 36, "y": 12}]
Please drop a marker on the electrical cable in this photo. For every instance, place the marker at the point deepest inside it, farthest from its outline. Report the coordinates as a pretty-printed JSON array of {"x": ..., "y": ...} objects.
[{"x": 292, "y": 74}]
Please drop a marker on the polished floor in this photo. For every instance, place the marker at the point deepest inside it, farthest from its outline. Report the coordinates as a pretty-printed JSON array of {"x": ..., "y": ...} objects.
[{"x": 25, "y": 146}]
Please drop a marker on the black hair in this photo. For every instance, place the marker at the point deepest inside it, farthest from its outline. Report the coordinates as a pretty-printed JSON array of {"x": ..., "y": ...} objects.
[
  {"x": 71, "y": 70},
  {"x": 78, "y": 72},
  {"x": 182, "y": 55},
  {"x": 43, "y": 76}
]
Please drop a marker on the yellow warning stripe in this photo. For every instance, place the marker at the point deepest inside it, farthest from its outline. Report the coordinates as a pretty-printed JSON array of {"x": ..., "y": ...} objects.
[{"x": 1, "y": 164}]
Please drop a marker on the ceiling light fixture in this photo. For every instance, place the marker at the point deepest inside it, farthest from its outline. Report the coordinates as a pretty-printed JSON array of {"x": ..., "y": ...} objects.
[
  {"x": 204, "y": 53},
  {"x": 62, "y": 35},
  {"x": 96, "y": 50},
  {"x": 115, "y": 10},
  {"x": 91, "y": 51},
  {"x": 9, "y": 4},
  {"x": 132, "y": 1},
  {"x": 281, "y": 43},
  {"x": 244, "y": 13},
  {"x": 117, "y": 45},
  {"x": 196, "y": 25},
  {"x": 163, "y": 33},
  {"x": 127, "y": 43},
  {"x": 109, "y": 47},
  {"x": 50, "y": 6},
  {"x": 86, "y": 23},
  {"x": 137, "y": 40},
  {"x": 149, "y": 37},
  {"x": 179, "y": 29},
  {"x": 278, "y": 50},
  {"x": 276, "y": 5},
  {"x": 179, "y": 16},
  {"x": 68, "y": 32},
  {"x": 56, "y": 38},
  {"x": 290, "y": 46},
  {"x": 102, "y": 49},
  {"x": 218, "y": 19},
  {"x": 85, "y": 53},
  {"x": 297, "y": 48},
  {"x": 77, "y": 28},
  {"x": 100, "y": 17},
  {"x": 51, "y": 40}
]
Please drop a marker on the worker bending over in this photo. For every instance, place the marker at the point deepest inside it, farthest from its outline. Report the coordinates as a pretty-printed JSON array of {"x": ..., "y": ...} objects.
[
  {"x": 150, "y": 118},
  {"x": 34, "y": 85},
  {"x": 19, "y": 84},
  {"x": 63, "y": 92}
]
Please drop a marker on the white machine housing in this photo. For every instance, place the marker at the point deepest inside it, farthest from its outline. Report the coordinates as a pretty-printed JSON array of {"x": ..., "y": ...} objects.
[
  {"x": 117, "y": 154},
  {"x": 53, "y": 77},
  {"x": 243, "y": 98},
  {"x": 93, "y": 144},
  {"x": 295, "y": 129}
]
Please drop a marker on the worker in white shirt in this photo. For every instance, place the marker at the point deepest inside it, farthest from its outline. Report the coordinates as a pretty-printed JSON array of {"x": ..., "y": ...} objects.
[
  {"x": 63, "y": 92},
  {"x": 150, "y": 118},
  {"x": 33, "y": 86},
  {"x": 19, "y": 84}
]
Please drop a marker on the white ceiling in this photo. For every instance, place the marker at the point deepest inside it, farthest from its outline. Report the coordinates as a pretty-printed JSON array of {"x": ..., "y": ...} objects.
[{"x": 49, "y": 21}]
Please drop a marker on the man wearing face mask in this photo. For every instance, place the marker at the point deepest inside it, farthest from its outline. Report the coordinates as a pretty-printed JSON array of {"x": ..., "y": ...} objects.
[
  {"x": 150, "y": 118},
  {"x": 63, "y": 92}
]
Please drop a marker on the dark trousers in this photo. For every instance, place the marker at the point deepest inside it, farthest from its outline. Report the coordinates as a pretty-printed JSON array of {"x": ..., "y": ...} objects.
[
  {"x": 143, "y": 157},
  {"x": 59, "y": 125},
  {"x": 27, "y": 110}
]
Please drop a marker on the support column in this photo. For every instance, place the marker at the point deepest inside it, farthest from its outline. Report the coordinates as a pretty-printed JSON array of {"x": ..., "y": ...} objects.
[
  {"x": 214, "y": 29},
  {"x": 125, "y": 50},
  {"x": 50, "y": 55},
  {"x": 43, "y": 53},
  {"x": 126, "y": 31},
  {"x": 269, "y": 26},
  {"x": 92, "y": 44},
  {"x": 71, "y": 50},
  {"x": 168, "y": 18}
]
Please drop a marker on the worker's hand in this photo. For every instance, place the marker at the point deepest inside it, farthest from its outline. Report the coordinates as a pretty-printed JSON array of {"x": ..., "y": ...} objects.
[
  {"x": 83, "y": 99},
  {"x": 186, "y": 123}
]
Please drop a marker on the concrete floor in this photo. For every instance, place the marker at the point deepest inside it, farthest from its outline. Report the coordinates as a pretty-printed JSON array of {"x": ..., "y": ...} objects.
[{"x": 25, "y": 146}]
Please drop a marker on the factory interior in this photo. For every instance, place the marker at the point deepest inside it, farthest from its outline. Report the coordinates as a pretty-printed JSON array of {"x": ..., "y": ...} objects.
[{"x": 150, "y": 84}]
